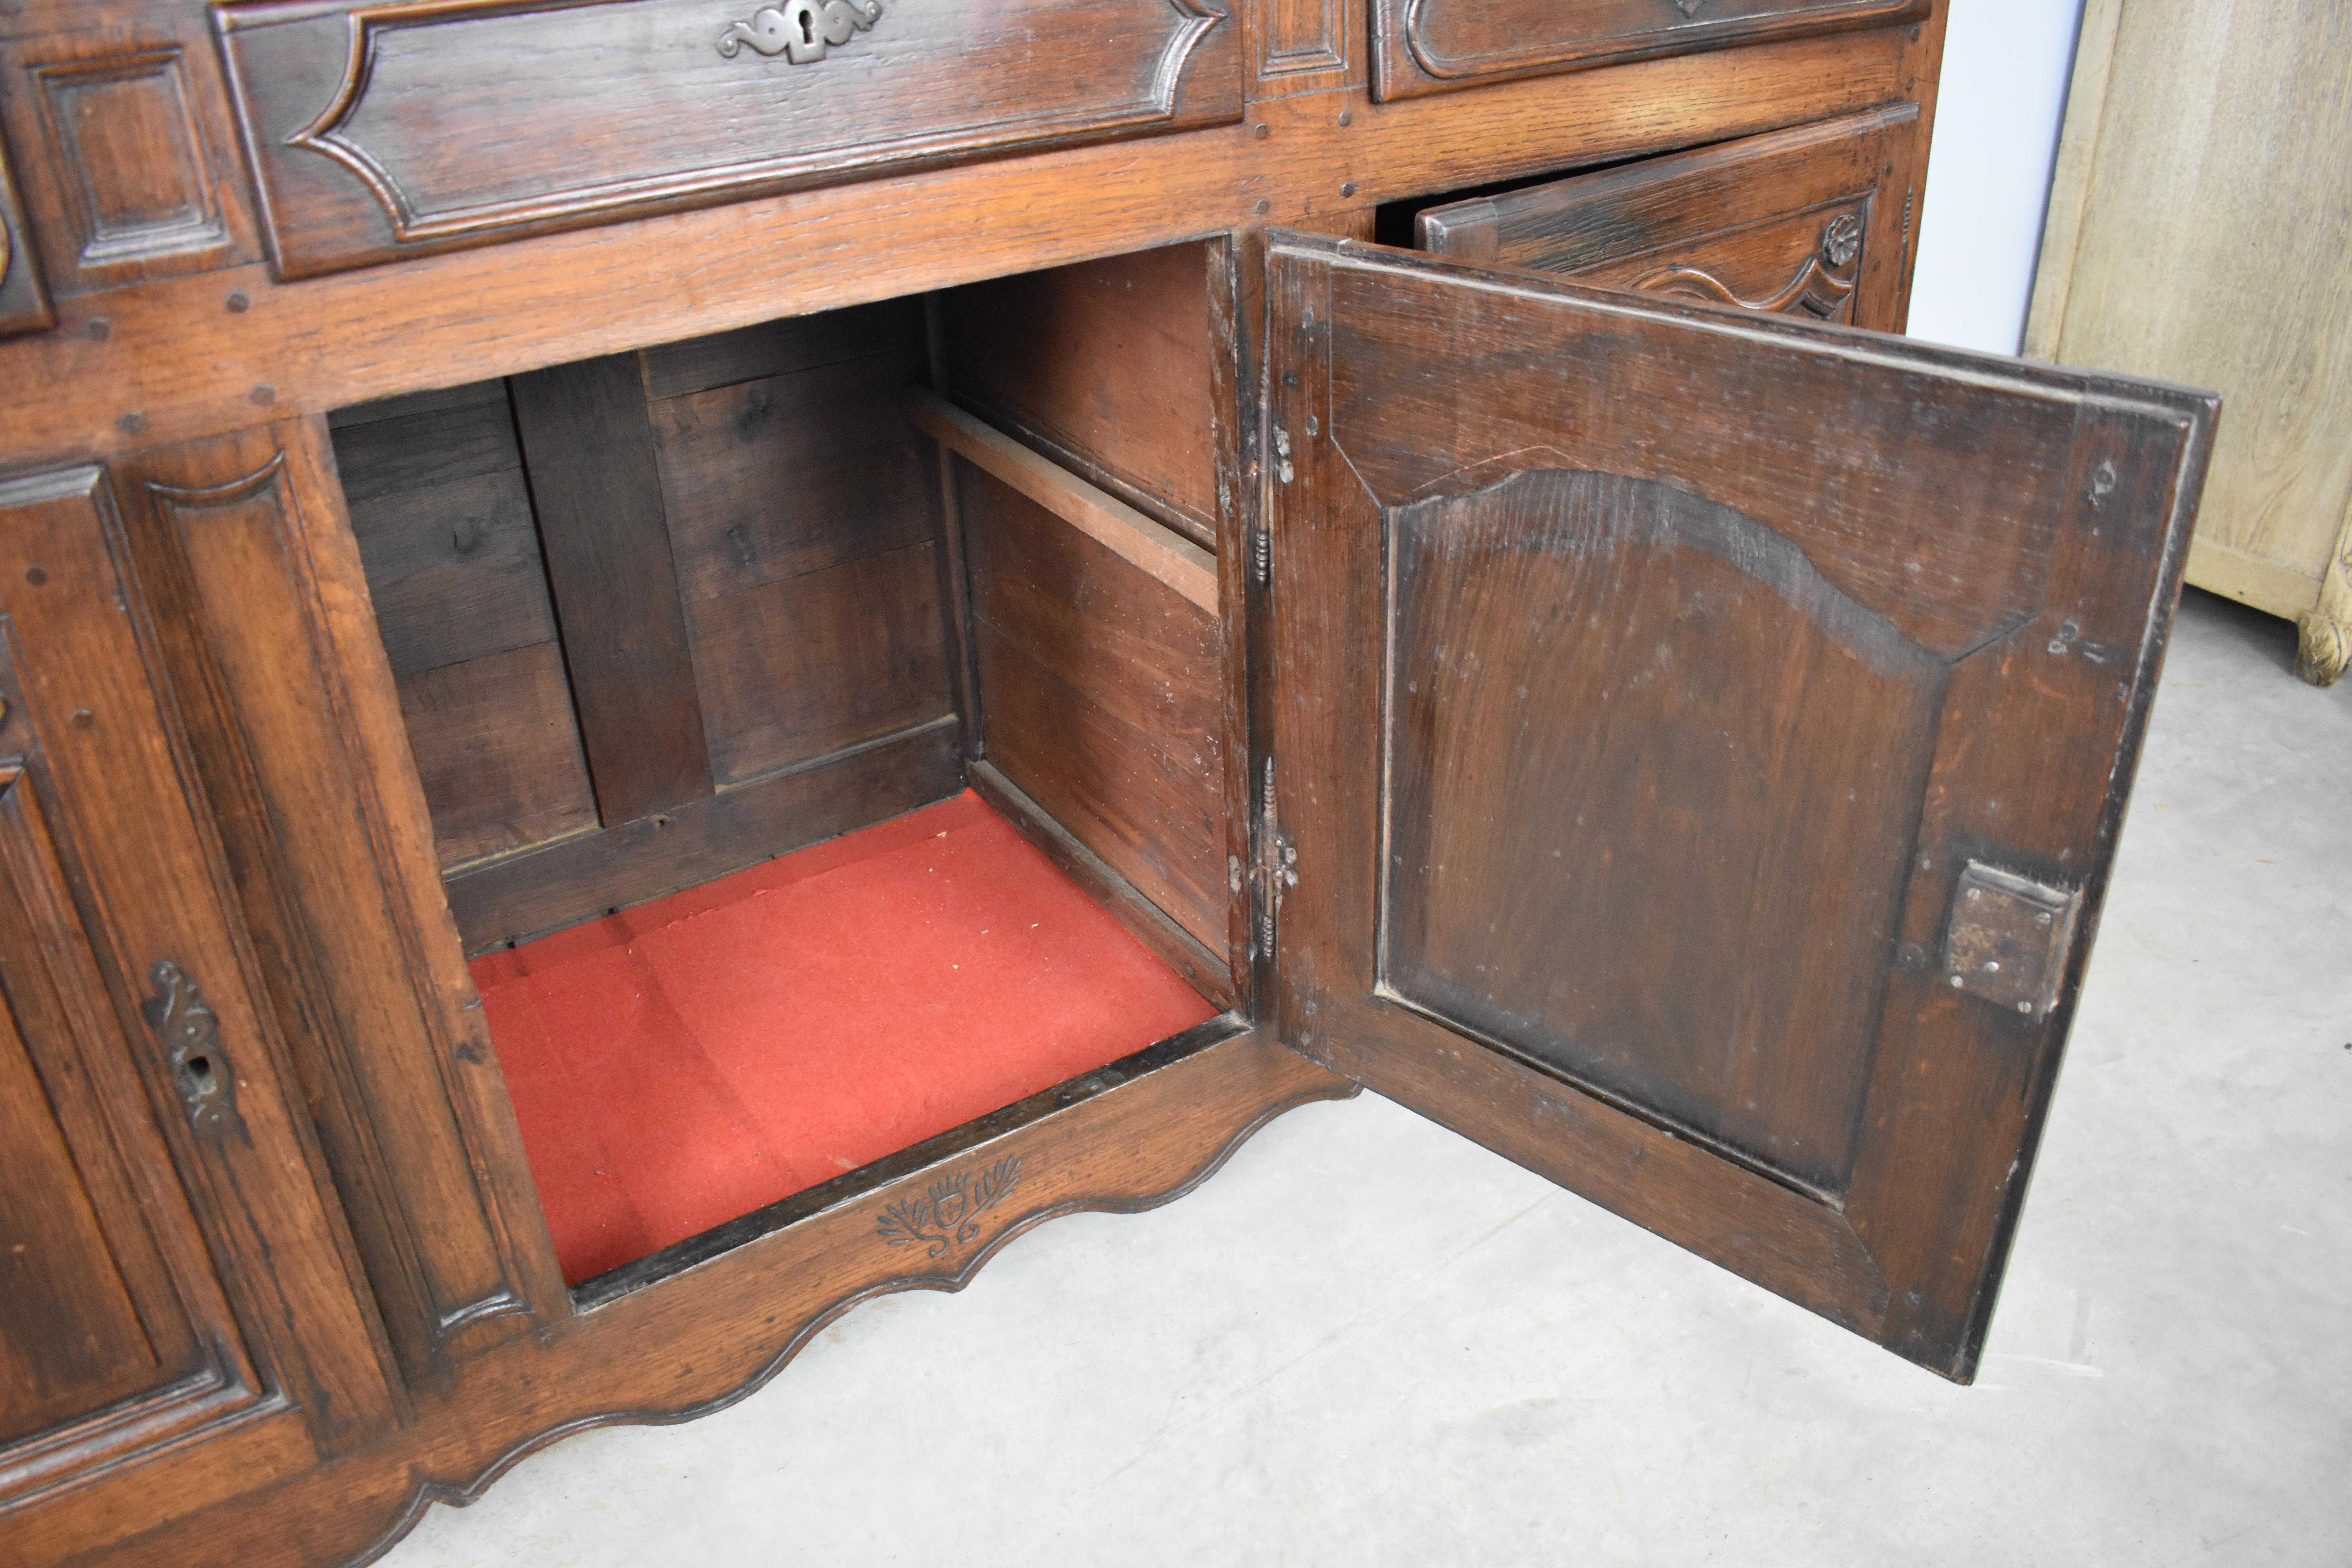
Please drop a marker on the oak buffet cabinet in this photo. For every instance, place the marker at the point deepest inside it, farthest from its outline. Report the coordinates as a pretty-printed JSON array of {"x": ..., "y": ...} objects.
[{"x": 1408, "y": 504}]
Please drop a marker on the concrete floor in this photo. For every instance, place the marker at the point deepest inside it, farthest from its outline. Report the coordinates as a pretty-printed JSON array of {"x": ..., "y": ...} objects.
[{"x": 1370, "y": 1343}]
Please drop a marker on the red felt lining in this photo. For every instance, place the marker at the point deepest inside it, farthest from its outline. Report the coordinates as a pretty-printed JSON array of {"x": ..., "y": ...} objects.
[{"x": 687, "y": 1061}]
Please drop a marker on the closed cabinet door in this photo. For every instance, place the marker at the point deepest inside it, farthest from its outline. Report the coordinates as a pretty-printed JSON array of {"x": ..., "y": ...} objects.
[
  {"x": 1813, "y": 222},
  {"x": 1700, "y": 743},
  {"x": 178, "y": 1320}
]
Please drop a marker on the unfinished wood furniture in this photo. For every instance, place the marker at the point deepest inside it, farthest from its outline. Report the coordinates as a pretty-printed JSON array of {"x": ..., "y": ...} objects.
[
  {"x": 474, "y": 466},
  {"x": 2216, "y": 140}
]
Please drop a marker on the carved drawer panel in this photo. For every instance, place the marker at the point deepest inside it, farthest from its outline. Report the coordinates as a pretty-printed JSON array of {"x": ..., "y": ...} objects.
[
  {"x": 1812, "y": 222},
  {"x": 382, "y": 130},
  {"x": 1431, "y": 45}
]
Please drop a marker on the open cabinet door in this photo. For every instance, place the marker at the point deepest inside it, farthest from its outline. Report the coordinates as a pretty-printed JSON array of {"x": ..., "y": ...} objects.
[{"x": 1699, "y": 742}]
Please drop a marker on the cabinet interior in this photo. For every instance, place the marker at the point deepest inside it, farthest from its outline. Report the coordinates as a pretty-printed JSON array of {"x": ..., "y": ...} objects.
[{"x": 658, "y": 619}]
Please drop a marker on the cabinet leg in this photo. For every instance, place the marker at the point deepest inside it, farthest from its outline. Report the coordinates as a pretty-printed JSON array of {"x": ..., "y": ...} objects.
[{"x": 2327, "y": 647}]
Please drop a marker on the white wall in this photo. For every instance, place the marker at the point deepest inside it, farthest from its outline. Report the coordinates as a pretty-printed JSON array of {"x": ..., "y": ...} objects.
[{"x": 2006, "y": 66}]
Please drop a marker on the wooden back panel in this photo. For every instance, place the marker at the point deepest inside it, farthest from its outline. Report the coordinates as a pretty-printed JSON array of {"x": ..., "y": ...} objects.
[
  {"x": 691, "y": 620},
  {"x": 1108, "y": 368}
]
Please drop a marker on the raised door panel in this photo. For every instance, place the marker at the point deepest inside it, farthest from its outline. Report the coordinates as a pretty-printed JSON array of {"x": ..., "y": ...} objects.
[
  {"x": 1812, "y": 222},
  {"x": 1699, "y": 747},
  {"x": 1431, "y": 45},
  {"x": 180, "y": 1321},
  {"x": 387, "y": 129},
  {"x": 296, "y": 733}
]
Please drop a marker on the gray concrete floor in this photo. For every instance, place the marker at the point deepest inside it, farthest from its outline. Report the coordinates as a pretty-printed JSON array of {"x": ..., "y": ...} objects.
[{"x": 1368, "y": 1341}]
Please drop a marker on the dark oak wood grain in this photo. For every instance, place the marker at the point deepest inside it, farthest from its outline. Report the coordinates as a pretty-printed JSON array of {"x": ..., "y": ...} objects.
[
  {"x": 1813, "y": 221},
  {"x": 1183, "y": 951},
  {"x": 1106, "y": 368},
  {"x": 420, "y": 135},
  {"x": 1100, "y": 699},
  {"x": 1433, "y": 46},
  {"x": 560, "y": 884},
  {"x": 1143, "y": 1130},
  {"x": 235, "y": 1325},
  {"x": 409, "y": 1107},
  {"x": 596, "y": 487},
  {"x": 186, "y": 364},
  {"x": 125, "y": 148},
  {"x": 1685, "y": 711},
  {"x": 443, "y": 516}
]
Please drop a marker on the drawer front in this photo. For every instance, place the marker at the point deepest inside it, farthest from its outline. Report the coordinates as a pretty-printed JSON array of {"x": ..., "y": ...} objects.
[
  {"x": 386, "y": 131},
  {"x": 1812, "y": 222},
  {"x": 1432, "y": 45}
]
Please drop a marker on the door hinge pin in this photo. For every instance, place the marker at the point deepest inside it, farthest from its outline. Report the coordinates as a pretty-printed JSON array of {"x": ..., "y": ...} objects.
[{"x": 1277, "y": 868}]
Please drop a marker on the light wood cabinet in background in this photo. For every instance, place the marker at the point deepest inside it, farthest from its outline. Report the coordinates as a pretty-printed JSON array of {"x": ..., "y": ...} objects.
[{"x": 2198, "y": 228}]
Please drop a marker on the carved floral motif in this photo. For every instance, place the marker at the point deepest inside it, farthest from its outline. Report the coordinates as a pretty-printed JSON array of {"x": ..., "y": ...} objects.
[
  {"x": 948, "y": 1215},
  {"x": 1841, "y": 239}
]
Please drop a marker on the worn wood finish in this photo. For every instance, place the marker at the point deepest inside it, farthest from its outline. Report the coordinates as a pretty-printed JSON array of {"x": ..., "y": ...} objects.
[
  {"x": 1202, "y": 969},
  {"x": 1813, "y": 221},
  {"x": 1133, "y": 1135},
  {"x": 802, "y": 527},
  {"x": 1177, "y": 563},
  {"x": 2216, "y": 138},
  {"x": 1105, "y": 367},
  {"x": 1433, "y": 46},
  {"x": 379, "y": 130},
  {"x": 209, "y": 1302},
  {"x": 811, "y": 541},
  {"x": 443, "y": 514},
  {"x": 177, "y": 362},
  {"x": 1304, "y": 46},
  {"x": 1647, "y": 681},
  {"x": 596, "y": 489},
  {"x": 1100, "y": 700},
  {"x": 24, "y": 299},
  {"x": 125, "y": 148},
  {"x": 512, "y": 900},
  {"x": 398, "y": 1078}
]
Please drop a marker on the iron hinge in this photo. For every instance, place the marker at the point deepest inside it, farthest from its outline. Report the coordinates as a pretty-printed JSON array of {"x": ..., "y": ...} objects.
[{"x": 1276, "y": 869}]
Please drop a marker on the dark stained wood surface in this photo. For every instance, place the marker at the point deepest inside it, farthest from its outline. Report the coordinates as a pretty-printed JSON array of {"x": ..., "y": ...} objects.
[
  {"x": 170, "y": 332},
  {"x": 179, "y": 358},
  {"x": 1815, "y": 221},
  {"x": 1203, "y": 970},
  {"x": 596, "y": 487},
  {"x": 801, "y": 522},
  {"x": 410, "y": 1109},
  {"x": 438, "y": 141},
  {"x": 208, "y": 1289},
  {"x": 443, "y": 516},
  {"x": 1432, "y": 45},
  {"x": 1133, "y": 1135},
  {"x": 1646, "y": 678},
  {"x": 124, "y": 145},
  {"x": 522, "y": 896},
  {"x": 1107, "y": 368},
  {"x": 1100, "y": 699}
]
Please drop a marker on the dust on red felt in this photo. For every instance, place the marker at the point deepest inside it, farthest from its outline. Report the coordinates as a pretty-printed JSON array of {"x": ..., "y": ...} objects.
[{"x": 687, "y": 1061}]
